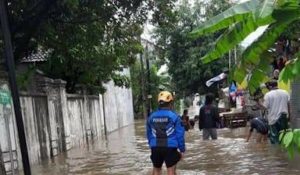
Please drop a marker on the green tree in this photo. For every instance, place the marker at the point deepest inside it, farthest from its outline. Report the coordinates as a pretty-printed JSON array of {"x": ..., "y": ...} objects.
[
  {"x": 156, "y": 83},
  {"x": 89, "y": 40},
  {"x": 189, "y": 74}
]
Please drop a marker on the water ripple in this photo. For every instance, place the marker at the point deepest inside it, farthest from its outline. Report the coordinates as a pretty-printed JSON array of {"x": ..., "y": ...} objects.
[{"x": 126, "y": 152}]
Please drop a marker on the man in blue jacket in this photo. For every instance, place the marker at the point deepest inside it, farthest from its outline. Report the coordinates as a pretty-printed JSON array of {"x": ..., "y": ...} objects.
[{"x": 165, "y": 134}]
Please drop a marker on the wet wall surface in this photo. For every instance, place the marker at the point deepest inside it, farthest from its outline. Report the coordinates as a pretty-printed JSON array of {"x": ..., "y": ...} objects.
[{"x": 126, "y": 152}]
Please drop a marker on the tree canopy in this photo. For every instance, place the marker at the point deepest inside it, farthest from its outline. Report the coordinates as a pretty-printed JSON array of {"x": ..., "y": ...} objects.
[
  {"x": 179, "y": 52},
  {"x": 89, "y": 40}
]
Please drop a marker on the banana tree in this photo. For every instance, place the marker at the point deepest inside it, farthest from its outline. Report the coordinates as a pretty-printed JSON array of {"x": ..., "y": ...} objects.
[{"x": 241, "y": 20}]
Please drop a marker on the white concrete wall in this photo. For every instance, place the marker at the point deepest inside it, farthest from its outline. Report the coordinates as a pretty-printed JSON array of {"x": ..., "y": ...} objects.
[
  {"x": 110, "y": 108},
  {"x": 55, "y": 121},
  {"x": 118, "y": 107},
  {"x": 4, "y": 135},
  {"x": 30, "y": 129},
  {"x": 53, "y": 125},
  {"x": 96, "y": 115},
  {"x": 85, "y": 119},
  {"x": 101, "y": 116},
  {"x": 77, "y": 128}
]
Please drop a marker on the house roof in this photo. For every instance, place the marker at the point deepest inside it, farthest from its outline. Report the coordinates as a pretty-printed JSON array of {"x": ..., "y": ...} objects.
[{"x": 39, "y": 56}]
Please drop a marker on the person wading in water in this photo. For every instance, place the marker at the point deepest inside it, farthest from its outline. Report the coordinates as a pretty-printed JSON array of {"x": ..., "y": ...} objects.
[
  {"x": 186, "y": 120},
  {"x": 209, "y": 118},
  {"x": 276, "y": 102},
  {"x": 165, "y": 134},
  {"x": 261, "y": 126}
]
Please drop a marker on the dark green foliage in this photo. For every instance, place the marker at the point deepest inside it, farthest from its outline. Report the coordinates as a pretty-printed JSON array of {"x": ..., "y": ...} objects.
[
  {"x": 24, "y": 78},
  {"x": 90, "y": 40},
  {"x": 156, "y": 82},
  {"x": 136, "y": 85},
  {"x": 290, "y": 140},
  {"x": 188, "y": 73}
]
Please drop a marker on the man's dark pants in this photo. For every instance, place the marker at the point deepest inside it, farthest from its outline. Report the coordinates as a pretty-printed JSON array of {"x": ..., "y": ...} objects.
[{"x": 281, "y": 124}]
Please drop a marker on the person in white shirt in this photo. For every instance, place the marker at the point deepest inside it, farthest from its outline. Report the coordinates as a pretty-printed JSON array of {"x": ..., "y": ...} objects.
[{"x": 276, "y": 102}]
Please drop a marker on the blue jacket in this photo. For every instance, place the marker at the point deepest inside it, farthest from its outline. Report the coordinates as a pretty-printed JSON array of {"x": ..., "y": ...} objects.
[{"x": 165, "y": 129}]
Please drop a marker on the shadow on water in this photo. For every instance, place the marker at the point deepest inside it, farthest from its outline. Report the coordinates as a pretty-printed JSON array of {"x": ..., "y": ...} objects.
[{"x": 126, "y": 152}]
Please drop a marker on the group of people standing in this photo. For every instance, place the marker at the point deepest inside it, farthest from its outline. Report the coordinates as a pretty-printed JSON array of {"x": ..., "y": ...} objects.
[{"x": 166, "y": 129}]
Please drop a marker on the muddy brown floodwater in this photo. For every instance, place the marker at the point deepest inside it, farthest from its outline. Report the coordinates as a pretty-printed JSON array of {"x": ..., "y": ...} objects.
[{"x": 126, "y": 152}]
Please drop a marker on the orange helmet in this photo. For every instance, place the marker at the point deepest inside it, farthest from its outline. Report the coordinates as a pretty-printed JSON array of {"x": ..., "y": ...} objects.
[{"x": 165, "y": 96}]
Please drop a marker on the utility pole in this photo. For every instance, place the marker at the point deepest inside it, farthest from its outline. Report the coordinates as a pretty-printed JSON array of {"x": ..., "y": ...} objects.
[
  {"x": 143, "y": 87},
  {"x": 229, "y": 60},
  {"x": 13, "y": 85},
  {"x": 235, "y": 56},
  {"x": 149, "y": 97}
]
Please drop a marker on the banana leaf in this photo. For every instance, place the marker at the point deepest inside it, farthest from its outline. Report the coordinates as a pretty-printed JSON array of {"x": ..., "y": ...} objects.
[
  {"x": 258, "y": 76},
  {"x": 235, "y": 14},
  {"x": 290, "y": 71},
  {"x": 266, "y": 9},
  {"x": 283, "y": 18},
  {"x": 239, "y": 74},
  {"x": 234, "y": 36},
  {"x": 241, "y": 30},
  {"x": 288, "y": 3}
]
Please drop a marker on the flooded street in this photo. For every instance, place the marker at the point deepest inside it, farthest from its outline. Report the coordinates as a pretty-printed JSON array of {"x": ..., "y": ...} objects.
[{"x": 126, "y": 152}]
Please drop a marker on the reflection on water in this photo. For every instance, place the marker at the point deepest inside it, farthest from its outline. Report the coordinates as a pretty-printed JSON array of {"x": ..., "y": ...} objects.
[{"x": 126, "y": 152}]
